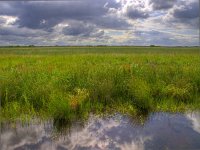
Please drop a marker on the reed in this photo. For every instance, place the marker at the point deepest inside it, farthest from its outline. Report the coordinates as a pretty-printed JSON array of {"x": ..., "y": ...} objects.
[{"x": 60, "y": 82}]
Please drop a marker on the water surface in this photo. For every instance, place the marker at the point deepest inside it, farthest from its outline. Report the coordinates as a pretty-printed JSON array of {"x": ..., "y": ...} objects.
[{"x": 159, "y": 131}]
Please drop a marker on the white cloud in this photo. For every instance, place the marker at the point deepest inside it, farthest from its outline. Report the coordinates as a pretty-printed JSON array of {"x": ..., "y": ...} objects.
[
  {"x": 104, "y": 17},
  {"x": 195, "y": 118}
]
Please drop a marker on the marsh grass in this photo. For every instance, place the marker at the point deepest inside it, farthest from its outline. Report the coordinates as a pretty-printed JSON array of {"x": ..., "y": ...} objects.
[{"x": 66, "y": 86}]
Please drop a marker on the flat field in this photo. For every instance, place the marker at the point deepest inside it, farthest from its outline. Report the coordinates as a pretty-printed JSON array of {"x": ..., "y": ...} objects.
[{"x": 71, "y": 82}]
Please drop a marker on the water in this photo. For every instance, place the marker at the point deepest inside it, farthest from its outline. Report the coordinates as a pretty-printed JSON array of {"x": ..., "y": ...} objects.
[{"x": 160, "y": 131}]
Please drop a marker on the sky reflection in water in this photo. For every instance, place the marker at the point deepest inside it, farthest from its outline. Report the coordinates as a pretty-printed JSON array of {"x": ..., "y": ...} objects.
[{"x": 160, "y": 131}]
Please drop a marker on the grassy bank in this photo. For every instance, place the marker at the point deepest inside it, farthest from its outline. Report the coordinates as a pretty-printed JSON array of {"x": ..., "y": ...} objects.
[{"x": 64, "y": 83}]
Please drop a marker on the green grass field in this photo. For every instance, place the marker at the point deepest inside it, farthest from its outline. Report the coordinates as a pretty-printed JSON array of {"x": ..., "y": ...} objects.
[{"x": 71, "y": 82}]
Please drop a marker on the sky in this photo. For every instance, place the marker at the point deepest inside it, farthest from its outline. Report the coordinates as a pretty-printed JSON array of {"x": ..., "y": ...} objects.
[{"x": 100, "y": 22}]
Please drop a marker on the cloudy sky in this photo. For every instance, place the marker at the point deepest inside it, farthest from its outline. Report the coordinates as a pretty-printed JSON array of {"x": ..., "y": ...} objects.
[{"x": 100, "y": 22}]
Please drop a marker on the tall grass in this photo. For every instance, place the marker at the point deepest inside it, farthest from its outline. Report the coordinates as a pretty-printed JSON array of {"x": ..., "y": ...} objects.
[{"x": 67, "y": 86}]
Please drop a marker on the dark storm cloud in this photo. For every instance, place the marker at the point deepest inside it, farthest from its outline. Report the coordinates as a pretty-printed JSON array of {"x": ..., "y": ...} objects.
[
  {"x": 186, "y": 13},
  {"x": 82, "y": 30},
  {"x": 51, "y": 22},
  {"x": 23, "y": 32},
  {"x": 134, "y": 13},
  {"x": 111, "y": 22},
  {"x": 162, "y": 4},
  {"x": 190, "y": 11},
  {"x": 45, "y": 15},
  {"x": 8, "y": 8}
]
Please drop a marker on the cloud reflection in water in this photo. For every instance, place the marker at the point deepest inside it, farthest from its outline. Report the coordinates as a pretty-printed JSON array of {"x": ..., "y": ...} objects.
[{"x": 161, "y": 131}]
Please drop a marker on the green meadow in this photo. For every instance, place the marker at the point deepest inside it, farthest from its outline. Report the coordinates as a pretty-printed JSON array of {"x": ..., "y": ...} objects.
[{"x": 73, "y": 82}]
